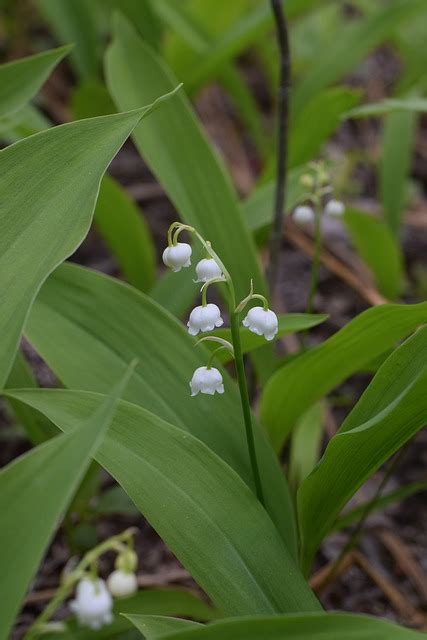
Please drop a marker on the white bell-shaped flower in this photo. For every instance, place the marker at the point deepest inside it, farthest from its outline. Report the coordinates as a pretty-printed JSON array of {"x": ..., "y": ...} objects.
[
  {"x": 303, "y": 214},
  {"x": 177, "y": 256},
  {"x": 335, "y": 208},
  {"x": 204, "y": 318},
  {"x": 207, "y": 269},
  {"x": 206, "y": 380},
  {"x": 262, "y": 321},
  {"x": 93, "y": 603},
  {"x": 122, "y": 583}
]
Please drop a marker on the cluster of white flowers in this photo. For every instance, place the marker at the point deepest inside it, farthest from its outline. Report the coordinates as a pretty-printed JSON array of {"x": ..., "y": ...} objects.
[
  {"x": 93, "y": 603},
  {"x": 305, "y": 214},
  {"x": 206, "y": 317}
]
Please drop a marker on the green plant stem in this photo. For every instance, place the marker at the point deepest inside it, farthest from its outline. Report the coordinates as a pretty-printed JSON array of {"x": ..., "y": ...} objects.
[
  {"x": 88, "y": 560},
  {"x": 316, "y": 261},
  {"x": 244, "y": 396}
]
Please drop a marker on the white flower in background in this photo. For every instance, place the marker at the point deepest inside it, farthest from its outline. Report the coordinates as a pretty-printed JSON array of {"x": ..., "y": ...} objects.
[
  {"x": 204, "y": 318},
  {"x": 303, "y": 214},
  {"x": 206, "y": 380},
  {"x": 177, "y": 256},
  {"x": 207, "y": 269},
  {"x": 335, "y": 208},
  {"x": 93, "y": 603},
  {"x": 262, "y": 321},
  {"x": 122, "y": 583}
]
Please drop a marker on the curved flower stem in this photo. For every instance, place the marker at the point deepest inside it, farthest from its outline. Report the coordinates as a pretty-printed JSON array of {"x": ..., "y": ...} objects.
[
  {"x": 244, "y": 396},
  {"x": 88, "y": 560},
  {"x": 316, "y": 261}
]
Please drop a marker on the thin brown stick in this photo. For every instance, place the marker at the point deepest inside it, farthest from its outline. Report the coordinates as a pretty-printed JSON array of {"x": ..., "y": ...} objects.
[{"x": 405, "y": 561}]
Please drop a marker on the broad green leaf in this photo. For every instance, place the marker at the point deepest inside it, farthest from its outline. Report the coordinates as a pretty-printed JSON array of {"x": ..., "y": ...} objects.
[
  {"x": 305, "y": 445},
  {"x": 259, "y": 207},
  {"x": 115, "y": 500},
  {"x": 37, "y": 428},
  {"x": 35, "y": 490},
  {"x": 288, "y": 323},
  {"x": 316, "y": 626},
  {"x": 391, "y": 410},
  {"x": 354, "y": 41},
  {"x": 48, "y": 187},
  {"x": 317, "y": 121},
  {"x": 397, "y": 148},
  {"x": 91, "y": 99},
  {"x": 76, "y": 22},
  {"x": 377, "y": 247},
  {"x": 297, "y": 385},
  {"x": 187, "y": 167},
  {"x": 200, "y": 507},
  {"x": 390, "y": 105},
  {"x": 126, "y": 233},
  {"x": 143, "y": 15},
  {"x": 354, "y": 515},
  {"x": 108, "y": 322},
  {"x": 21, "y": 79},
  {"x": 154, "y": 627},
  {"x": 22, "y": 123}
]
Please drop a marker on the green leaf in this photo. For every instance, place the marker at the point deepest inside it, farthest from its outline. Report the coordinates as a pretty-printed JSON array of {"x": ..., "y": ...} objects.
[
  {"x": 354, "y": 515},
  {"x": 108, "y": 322},
  {"x": 76, "y": 22},
  {"x": 305, "y": 445},
  {"x": 397, "y": 148},
  {"x": 378, "y": 249},
  {"x": 288, "y": 323},
  {"x": 390, "y": 105},
  {"x": 37, "y": 428},
  {"x": 186, "y": 165},
  {"x": 317, "y": 121},
  {"x": 126, "y": 233},
  {"x": 91, "y": 99},
  {"x": 316, "y": 626},
  {"x": 391, "y": 410},
  {"x": 35, "y": 490},
  {"x": 48, "y": 187},
  {"x": 21, "y": 80},
  {"x": 200, "y": 507},
  {"x": 297, "y": 385},
  {"x": 115, "y": 500},
  {"x": 353, "y": 42},
  {"x": 154, "y": 627},
  {"x": 143, "y": 15}
]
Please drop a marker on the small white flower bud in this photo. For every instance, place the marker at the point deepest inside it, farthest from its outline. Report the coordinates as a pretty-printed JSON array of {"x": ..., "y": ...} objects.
[
  {"x": 207, "y": 381},
  {"x": 335, "y": 208},
  {"x": 204, "y": 318},
  {"x": 177, "y": 256},
  {"x": 207, "y": 269},
  {"x": 122, "y": 584},
  {"x": 93, "y": 603},
  {"x": 303, "y": 214},
  {"x": 262, "y": 321}
]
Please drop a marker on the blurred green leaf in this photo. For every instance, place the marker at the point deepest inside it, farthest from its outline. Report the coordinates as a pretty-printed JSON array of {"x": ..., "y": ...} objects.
[
  {"x": 390, "y": 105},
  {"x": 186, "y": 166},
  {"x": 297, "y": 385},
  {"x": 317, "y": 121},
  {"x": 315, "y": 626},
  {"x": 21, "y": 79},
  {"x": 397, "y": 149},
  {"x": 48, "y": 188},
  {"x": 378, "y": 249},
  {"x": 391, "y": 410},
  {"x": 126, "y": 233},
  {"x": 200, "y": 507},
  {"x": 115, "y": 500},
  {"x": 76, "y": 22},
  {"x": 142, "y": 14},
  {"x": 154, "y": 627},
  {"x": 351, "y": 44},
  {"x": 91, "y": 99},
  {"x": 108, "y": 322},
  {"x": 35, "y": 489}
]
